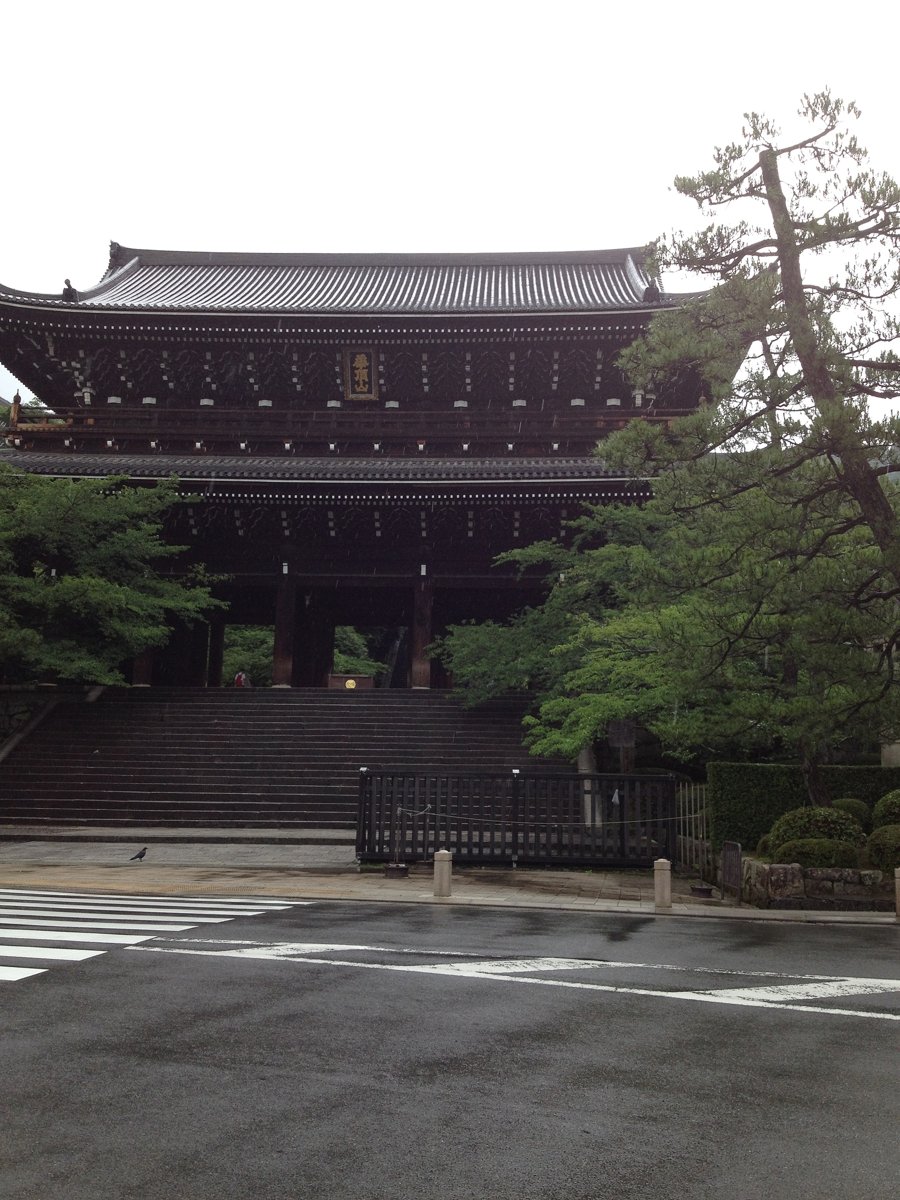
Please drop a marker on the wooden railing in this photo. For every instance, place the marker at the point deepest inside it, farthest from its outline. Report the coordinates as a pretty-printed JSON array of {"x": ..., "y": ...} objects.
[{"x": 512, "y": 817}]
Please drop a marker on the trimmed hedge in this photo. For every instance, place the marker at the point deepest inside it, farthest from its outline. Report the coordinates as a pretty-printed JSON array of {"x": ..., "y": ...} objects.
[
  {"x": 817, "y": 823},
  {"x": 818, "y": 852},
  {"x": 884, "y": 847},
  {"x": 856, "y": 808},
  {"x": 744, "y": 800},
  {"x": 887, "y": 810}
]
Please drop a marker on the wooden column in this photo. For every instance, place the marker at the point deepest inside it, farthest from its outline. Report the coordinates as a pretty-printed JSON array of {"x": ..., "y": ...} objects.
[
  {"x": 142, "y": 668},
  {"x": 283, "y": 650},
  {"x": 216, "y": 653},
  {"x": 322, "y": 648},
  {"x": 199, "y": 652},
  {"x": 421, "y": 636}
]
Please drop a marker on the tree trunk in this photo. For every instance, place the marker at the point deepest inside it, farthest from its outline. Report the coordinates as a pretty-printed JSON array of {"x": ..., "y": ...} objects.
[
  {"x": 811, "y": 765},
  {"x": 853, "y": 467}
]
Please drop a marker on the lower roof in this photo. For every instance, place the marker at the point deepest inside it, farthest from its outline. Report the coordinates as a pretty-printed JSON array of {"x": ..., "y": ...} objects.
[{"x": 331, "y": 470}]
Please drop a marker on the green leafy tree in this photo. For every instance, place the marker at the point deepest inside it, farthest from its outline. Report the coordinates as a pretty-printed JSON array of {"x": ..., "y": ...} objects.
[
  {"x": 760, "y": 623},
  {"x": 352, "y": 655},
  {"x": 249, "y": 648},
  {"x": 753, "y": 602},
  {"x": 804, "y": 241},
  {"x": 82, "y": 585}
]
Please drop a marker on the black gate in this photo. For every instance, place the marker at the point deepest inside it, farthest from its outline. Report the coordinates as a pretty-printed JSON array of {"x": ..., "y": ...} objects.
[{"x": 589, "y": 820}]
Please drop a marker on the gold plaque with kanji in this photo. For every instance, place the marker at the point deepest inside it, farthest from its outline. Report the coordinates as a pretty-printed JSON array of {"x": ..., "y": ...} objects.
[{"x": 360, "y": 375}]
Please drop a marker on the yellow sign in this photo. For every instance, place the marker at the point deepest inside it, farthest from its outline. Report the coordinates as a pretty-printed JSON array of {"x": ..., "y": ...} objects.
[{"x": 350, "y": 683}]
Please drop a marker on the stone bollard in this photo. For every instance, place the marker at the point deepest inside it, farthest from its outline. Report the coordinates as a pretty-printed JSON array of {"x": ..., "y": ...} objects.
[
  {"x": 662, "y": 884},
  {"x": 443, "y": 868},
  {"x": 897, "y": 889}
]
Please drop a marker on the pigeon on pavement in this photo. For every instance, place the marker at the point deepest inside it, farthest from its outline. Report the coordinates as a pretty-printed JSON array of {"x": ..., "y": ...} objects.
[{"x": 139, "y": 856}]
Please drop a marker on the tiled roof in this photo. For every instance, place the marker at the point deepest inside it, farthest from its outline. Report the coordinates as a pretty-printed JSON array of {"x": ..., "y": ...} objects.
[
  {"x": 256, "y": 469},
  {"x": 365, "y": 284}
]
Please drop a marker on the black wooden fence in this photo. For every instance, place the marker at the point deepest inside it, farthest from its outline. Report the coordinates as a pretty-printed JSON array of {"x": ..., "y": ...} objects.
[{"x": 610, "y": 820}]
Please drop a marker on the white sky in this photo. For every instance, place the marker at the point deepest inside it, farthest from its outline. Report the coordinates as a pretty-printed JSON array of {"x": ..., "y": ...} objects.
[{"x": 473, "y": 125}]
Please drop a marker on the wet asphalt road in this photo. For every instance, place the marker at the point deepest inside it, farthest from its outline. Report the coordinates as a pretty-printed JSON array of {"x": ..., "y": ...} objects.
[{"x": 191, "y": 1069}]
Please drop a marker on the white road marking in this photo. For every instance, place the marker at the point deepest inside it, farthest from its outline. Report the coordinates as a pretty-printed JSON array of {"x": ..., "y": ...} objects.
[
  {"x": 513, "y": 966},
  {"x": 60, "y": 952},
  {"x": 523, "y": 971},
  {"x": 14, "y": 974},
  {"x": 53, "y": 917},
  {"x": 72, "y": 923},
  {"x": 242, "y": 901},
  {"x": 810, "y": 991},
  {"x": 149, "y": 909},
  {"x": 60, "y": 935},
  {"x": 149, "y": 905}
]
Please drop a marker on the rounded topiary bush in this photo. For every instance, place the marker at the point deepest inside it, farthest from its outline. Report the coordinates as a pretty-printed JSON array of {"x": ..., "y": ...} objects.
[
  {"x": 817, "y": 823},
  {"x": 884, "y": 847},
  {"x": 764, "y": 846},
  {"x": 887, "y": 810},
  {"x": 818, "y": 852},
  {"x": 856, "y": 808}
]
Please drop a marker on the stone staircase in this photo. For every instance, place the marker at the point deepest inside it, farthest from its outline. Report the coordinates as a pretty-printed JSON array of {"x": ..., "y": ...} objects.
[{"x": 256, "y": 758}]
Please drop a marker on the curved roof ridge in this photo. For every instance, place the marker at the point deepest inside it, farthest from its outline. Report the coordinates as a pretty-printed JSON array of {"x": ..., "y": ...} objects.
[
  {"x": 571, "y": 282},
  {"x": 151, "y": 257}
]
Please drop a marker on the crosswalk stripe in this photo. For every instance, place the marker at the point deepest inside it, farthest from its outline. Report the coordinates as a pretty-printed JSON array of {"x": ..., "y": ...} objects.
[
  {"x": 256, "y": 901},
  {"x": 212, "y": 914},
  {"x": 63, "y": 953},
  {"x": 63, "y": 935},
  {"x": 14, "y": 974},
  {"x": 43, "y": 925},
  {"x": 75, "y": 914},
  {"x": 72, "y": 923}
]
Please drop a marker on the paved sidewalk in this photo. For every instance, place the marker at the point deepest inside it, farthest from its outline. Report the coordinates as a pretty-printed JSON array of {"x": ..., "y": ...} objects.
[{"x": 231, "y": 862}]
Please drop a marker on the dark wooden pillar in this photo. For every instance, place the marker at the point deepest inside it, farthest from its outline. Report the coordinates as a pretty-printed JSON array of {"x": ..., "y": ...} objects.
[
  {"x": 421, "y": 636},
  {"x": 315, "y": 641},
  {"x": 216, "y": 653},
  {"x": 142, "y": 668},
  {"x": 321, "y": 650},
  {"x": 199, "y": 654},
  {"x": 283, "y": 650}
]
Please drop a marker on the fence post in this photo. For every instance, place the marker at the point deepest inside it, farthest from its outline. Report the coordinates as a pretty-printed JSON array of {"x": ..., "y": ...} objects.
[
  {"x": 443, "y": 869},
  {"x": 897, "y": 889},
  {"x": 662, "y": 884},
  {"x": 361, "y": 814}
]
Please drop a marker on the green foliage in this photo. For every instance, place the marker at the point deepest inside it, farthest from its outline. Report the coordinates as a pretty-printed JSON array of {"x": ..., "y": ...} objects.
[
  {"x": 818, "y": 852},
  {"x": 81, "y": 586},
  {"x": 352, "y": 655},
  {"x": 744, "y": 624},
  {"x": 817, "y": 823},
  {"x": 764, "y": 846},
  {"x": 745, "y": 799},
  {"x": 527, "y": 653},
  {"x": 750, "y": 607},
  {"x": 884, "y": 848},
  {"x": 887, "y": 810},
  {"x": 858, "y": 809},
  {"x": 248, "y": 648}
]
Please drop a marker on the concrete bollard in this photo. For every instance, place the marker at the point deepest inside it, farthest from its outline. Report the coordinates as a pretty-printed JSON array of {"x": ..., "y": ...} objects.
[
  {"x": 897, "y": 889},
  {"x": 443, "y": 869},
  {"x": 662, "y": 884}
]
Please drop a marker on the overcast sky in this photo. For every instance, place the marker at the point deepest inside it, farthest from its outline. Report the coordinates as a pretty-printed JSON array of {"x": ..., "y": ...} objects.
[{"x": 475, "y": 125}]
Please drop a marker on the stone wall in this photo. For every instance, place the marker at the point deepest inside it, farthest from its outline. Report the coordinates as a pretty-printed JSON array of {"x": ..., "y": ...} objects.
[{"x": 839, "y": 889}]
